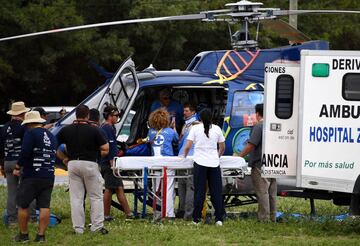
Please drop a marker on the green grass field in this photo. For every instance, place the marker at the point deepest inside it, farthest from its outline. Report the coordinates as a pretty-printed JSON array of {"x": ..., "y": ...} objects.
[{"x": 248, "y": 231}]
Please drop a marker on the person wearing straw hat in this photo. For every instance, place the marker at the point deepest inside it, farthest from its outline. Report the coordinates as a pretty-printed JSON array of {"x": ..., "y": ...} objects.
[
  {"x": 37, "y": 159},
  {"x": 12, "y": 136}
]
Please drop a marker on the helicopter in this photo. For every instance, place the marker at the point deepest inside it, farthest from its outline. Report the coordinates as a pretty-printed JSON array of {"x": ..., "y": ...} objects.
[{"x": 230, "y": 82}]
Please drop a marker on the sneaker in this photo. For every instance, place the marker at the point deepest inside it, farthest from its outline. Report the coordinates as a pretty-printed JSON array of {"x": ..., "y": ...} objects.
[
  {"x": 22, "y": 238},
  {"x": 103, "y": 231},
  {"x": 108, "y": 218},
  {"x": 129, "y": 217},
  {"x": 78, "y": 231},
  {"x": 40, "y": 238},
  {"x": 196, "y": 223},
  {"x": 219, "y": 223}
]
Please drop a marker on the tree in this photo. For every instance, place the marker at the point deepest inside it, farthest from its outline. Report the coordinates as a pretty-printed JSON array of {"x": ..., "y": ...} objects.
[{"x": 54, "y": 70}]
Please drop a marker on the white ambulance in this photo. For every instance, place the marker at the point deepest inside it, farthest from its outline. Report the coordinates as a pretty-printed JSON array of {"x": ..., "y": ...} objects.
[{"x": 312, "y": 121}]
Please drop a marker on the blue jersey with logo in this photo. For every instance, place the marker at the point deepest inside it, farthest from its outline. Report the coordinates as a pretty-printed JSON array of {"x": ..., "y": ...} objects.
[
  {"x": 12, "y": 135},
  {"x": 163, "y": 141},
  {"x": 38, "y": 153},
  {"x": 109, "y": 133}
]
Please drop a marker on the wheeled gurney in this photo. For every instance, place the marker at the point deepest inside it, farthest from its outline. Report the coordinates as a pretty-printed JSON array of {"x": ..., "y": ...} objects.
[{"x": 142, "y": 168}]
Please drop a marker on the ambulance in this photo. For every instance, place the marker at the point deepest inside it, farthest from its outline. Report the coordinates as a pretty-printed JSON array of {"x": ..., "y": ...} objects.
[{"x": 311, "y": 123}]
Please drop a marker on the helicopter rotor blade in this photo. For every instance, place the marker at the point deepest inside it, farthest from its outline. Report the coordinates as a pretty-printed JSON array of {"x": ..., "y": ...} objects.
[
  {"x": 286, "y": 31},
  {"x": 145, "y": 20},
  {"x": 297, "y": 12}
]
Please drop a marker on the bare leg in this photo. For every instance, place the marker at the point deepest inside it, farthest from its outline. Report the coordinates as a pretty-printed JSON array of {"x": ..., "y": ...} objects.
[
  {"x": 44, "y": 220},
  {"x": 122, "y": 200},
  {"x": 107, "y": 202},
  {"x": 23, "y": 218}
]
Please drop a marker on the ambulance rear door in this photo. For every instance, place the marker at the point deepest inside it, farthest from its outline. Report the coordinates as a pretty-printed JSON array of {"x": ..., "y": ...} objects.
[
  {"x": 329, "y": 126},
  {"x": 280, "y": 129}
]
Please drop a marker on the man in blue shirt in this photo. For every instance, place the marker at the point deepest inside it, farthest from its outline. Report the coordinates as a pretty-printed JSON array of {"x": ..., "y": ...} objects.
[
  {"x": 37, "y": 159},
  {"x": 186, "y": 185},
  {"x": 173, "y": 107},
  {"x": 112, "y": 184},
  {"x": 11, "y": 140}
]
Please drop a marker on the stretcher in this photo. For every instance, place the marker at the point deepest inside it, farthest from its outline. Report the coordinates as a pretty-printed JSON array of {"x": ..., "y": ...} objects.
[{"x": 141, "y": 168}]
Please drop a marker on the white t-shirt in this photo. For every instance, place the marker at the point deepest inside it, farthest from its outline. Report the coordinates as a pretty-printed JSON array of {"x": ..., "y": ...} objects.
[{"x": 205, "y": 151}]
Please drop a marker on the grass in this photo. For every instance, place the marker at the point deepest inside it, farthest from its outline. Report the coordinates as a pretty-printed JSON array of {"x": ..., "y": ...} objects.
[{"x": 234, "y": 232}]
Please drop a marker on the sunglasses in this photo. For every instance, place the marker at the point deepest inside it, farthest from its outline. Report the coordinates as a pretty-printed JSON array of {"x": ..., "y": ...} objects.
[{"x": 165, "y": 98}]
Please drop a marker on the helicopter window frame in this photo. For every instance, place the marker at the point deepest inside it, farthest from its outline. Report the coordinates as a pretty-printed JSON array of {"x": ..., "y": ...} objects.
[
  {"x": 284, "y": 96},
  {"x": 350, "y": 89},
  {"x": 126, "y": 73},
  {"x": 123, "y": 87},
  {"x": 244, "y": 110}
]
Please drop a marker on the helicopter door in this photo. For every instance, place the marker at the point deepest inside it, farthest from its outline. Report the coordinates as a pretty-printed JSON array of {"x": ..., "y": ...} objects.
[
  {"x": 120, "y": 91},
  {"x": 280, "y": 132}
]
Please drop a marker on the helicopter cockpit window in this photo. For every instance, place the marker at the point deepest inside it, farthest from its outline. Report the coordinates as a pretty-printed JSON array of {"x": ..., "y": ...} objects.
[
  {"x": 125, "y": 130},
  {"x": 351, "y": 87},
  {"x": 284, "y": 96},
  {"x": 243, "y": 108}
]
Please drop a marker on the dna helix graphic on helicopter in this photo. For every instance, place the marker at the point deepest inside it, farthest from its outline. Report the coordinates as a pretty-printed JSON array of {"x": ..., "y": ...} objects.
[
  {"x": 233, "y": 64},
  {"x": 230, "y": 67}
]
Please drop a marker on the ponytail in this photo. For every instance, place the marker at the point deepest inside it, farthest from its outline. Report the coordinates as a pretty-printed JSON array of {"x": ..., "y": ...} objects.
[{"x": 206, "y": 119}]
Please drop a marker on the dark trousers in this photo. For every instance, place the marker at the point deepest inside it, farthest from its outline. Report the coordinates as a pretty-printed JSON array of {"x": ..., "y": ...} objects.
[{"x": 213, "y": 176}]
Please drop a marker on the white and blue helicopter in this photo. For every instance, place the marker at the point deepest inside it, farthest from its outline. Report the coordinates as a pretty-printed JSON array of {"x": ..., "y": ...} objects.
[{"x": 230, "y": 82}]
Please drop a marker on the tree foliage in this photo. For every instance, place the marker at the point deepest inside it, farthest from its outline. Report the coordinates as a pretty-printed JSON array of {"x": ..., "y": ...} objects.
[{"x": 54, "y": 69}]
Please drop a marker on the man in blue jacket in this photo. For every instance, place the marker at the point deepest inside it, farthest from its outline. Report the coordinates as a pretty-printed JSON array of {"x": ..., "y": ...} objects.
[
  {"x": 10, "y": 148},
  {"x": 37, "y": 159}
]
